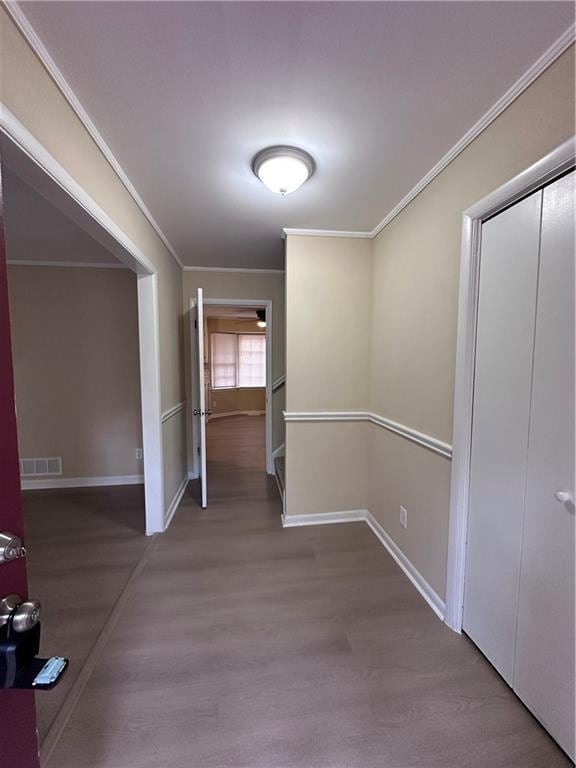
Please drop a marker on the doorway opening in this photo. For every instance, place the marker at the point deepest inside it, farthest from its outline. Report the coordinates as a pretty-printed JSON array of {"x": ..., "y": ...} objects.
[
  {"x": 84, "y": 339},
  {"x": 231, "y": 355}
]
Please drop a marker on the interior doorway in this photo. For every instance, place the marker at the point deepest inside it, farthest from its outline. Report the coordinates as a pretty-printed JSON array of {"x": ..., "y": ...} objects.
[{"x": 231, "y": 387}]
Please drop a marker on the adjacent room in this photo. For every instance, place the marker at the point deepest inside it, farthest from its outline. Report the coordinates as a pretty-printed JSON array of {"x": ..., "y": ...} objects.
[
  {"x": 287, "y": 378},
  {"x": 74, "y": 327}
]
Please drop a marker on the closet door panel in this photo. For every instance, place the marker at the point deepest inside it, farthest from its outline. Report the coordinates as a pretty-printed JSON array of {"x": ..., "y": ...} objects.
[
  {"x": 504, "y": 353},
  {"x": 544, "y": 665}
]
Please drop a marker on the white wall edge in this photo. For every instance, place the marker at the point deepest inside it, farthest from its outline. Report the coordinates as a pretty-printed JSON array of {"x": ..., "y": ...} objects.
[
  {"x": 236, "y": 269},
  {"x": 355, "y": 515},
  {"x": 173, "y": 411},
  {"x": 432, "y": 598},
  {"x": 324, "y": 518},
  {"x": 40, "y": 263},
  {"x": 426, "y": 441},
  {"x": 279, "y": 451},
  {"x": 170, "y": 512},
  {"x": 544, "y": 170},
  {"x": 80, "y": 482},
  {"x": 532, "y": 73},
  {"x": 30, "y": 35}
]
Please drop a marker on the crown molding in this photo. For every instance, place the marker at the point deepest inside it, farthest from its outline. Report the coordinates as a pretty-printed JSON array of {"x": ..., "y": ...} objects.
[
  {"x": 325, "y": 233},
  {"x": 33, "y": 40},
  {"x": 549, "y": 56},
  {"x": 235, "y": 269},
  {"x": 41, "y": 263}
]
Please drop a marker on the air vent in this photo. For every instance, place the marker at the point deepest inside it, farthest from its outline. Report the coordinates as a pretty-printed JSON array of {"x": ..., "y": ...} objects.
[{"x": 30, "y": 467}]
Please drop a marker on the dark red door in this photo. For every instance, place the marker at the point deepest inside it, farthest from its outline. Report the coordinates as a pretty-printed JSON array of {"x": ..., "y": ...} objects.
[{"x": 18, "y": 738}]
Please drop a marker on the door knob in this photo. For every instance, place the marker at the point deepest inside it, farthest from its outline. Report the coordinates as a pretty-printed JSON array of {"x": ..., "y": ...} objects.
[
  {"x": 10, "y": 547},
  {"x": 24, "y": 614},
  {"x": 563, "y": 497}
]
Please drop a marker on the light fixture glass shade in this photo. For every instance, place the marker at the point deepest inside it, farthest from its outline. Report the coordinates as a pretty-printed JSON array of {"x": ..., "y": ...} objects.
[
  {"x": 261, "y": 323},
  {"x": 283, "y": 169}
]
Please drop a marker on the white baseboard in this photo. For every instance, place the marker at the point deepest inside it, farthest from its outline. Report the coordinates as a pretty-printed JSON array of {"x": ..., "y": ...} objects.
[
  {"x": 175, "y": 501},
  {"x": 280, "y": 451},
  {"x": 354, "y": 515},
  {"x": 432, "y": 598},
  {"x": 193, "y": 475},
  {"x": 324, "y": 518},
  {"x": 79, "y": 482},
  {"x": 236, "y": 413}
]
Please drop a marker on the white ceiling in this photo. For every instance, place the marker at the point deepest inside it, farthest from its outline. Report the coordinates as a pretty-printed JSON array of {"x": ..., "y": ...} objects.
[
  {"x": 37, "y": 231},
  {"x": 186, "y": 93}
]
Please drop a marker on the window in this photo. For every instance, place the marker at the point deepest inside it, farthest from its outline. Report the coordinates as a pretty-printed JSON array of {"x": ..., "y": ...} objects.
[{"x": 238, "y": 360}]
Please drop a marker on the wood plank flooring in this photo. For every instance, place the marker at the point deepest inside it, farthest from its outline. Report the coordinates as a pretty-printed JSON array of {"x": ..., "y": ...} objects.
[
  {"x": 244, "y": 645},
  {"x": 82, "y": 547}
]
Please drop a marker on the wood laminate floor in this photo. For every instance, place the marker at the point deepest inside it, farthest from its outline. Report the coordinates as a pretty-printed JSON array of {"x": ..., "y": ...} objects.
[{"x": 243, "y": 645}]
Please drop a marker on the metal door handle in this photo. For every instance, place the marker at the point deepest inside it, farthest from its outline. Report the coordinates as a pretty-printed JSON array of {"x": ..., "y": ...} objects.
[
  {"x": 10, "y": 547},
  {"x": 563, "y": 497}
]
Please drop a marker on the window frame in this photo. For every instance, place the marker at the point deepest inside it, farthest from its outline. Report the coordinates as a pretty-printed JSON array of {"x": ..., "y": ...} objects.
[{"x": 236, "y": 335}]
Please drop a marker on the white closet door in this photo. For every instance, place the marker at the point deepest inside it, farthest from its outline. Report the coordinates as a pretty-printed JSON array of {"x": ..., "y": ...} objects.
[
  {"x": 544, "y": 663},
  {"x": 504, "y": 352}
]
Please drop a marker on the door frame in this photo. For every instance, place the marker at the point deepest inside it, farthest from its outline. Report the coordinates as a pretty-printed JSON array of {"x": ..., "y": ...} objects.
[
  {"x": 31, "y": 160},
  {"x": 537, "y": 175},
  {"x": 265, "y": 304}
]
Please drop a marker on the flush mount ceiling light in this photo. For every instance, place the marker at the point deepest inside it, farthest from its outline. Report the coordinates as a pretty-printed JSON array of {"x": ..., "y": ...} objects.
[{"x": 283, "y": 169}]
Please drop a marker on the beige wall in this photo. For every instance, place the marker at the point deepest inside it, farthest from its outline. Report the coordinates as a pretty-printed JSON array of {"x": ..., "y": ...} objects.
[
  {"x": 328, "y": 323},
  {"x": 33, "y": 97},
  {"x": 244, "y": 285},
  {"x": 414, "y": 317},
  {"x": 327, "y": 340},
  {"x": 244, "y": 398},
  {"x": 409, "y": 315},
  {"x": 76, "y": 368}
]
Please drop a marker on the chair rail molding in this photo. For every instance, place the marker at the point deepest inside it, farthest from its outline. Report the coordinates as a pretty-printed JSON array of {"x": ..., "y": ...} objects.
[
  {"x": 173, "y": 411},
  {"x": 420, "y": 438},
  {"x": 278, "y": 383}
]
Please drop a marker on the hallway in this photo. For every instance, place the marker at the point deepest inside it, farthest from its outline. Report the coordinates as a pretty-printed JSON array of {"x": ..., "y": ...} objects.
[{"x": 248, "y": 646}]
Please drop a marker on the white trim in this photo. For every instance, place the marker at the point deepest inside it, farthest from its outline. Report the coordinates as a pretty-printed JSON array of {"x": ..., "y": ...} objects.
[
  {"x": 278, "y": 383},
  {"x": 236, "y": 269},
  {"x": 193, "y": 475},
  {"x": 235, "y": 413},
  {"x": 79, "y": 482},
  {"x": 152, "y": 437},
  {"x": 553, "y": 164},
  {"x": 325, "y": 233},
  {"x": 41, "y": 263},
  {"x": 280, "y": 451},
  {"x": 432, "y": 598},
  {"x": 176, "y": 501},
  {"x": 532, "y": 73},
  {"x": 41, "y": 51},
  {"x": 24, "y": 141},
  {"x": 266, "y": 304},
  {"x": 324, "y": 518},
  {"x": 173, "y": 411},
  {"x": 426, "y": 441}
]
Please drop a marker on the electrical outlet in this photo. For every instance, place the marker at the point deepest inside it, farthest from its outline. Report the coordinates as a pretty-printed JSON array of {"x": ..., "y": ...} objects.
[
  {"x": 403, "y": 517},
  {"x": 139, "y": 453}
]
